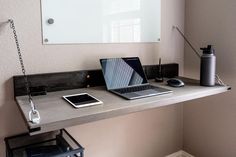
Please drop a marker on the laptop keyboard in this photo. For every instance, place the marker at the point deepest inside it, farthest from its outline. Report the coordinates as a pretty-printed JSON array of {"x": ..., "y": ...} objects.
[{"x": 134, "y": 89}]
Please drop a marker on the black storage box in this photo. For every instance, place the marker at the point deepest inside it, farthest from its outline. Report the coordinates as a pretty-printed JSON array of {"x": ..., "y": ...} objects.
[{"x": 53, "y": 144}]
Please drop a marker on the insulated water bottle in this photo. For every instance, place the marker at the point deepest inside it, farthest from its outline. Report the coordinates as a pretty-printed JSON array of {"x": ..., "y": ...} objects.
[{"x": 208, "y": 67}]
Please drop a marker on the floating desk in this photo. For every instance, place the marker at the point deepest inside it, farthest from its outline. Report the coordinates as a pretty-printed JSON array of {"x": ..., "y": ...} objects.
[{"x": 56, "y": 113}]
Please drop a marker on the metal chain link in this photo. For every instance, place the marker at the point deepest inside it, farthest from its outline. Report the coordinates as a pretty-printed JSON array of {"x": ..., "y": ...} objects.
[{"x": 12, "y": 25}]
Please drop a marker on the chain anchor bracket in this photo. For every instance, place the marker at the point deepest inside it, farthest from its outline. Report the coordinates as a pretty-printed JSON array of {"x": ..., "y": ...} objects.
[{"x": 34, "y": 115}]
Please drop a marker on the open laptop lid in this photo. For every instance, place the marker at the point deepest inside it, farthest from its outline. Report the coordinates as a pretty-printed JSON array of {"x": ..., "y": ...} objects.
[{"x": 123, "y": 72}]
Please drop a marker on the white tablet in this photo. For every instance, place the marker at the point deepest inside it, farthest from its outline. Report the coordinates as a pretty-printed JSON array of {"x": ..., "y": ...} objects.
[{"x": 82, "y": 100}]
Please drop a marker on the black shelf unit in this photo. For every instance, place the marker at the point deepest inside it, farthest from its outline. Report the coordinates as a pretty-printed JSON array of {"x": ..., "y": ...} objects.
[{"x": 53, "y": 144}]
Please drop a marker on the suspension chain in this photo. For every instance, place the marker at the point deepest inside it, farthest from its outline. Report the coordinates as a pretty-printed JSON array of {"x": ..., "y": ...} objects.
[{"x": 33, "y": 111}]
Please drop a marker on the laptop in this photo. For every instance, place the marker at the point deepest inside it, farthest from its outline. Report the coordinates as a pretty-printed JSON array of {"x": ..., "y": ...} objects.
[{"x": 126, "y": 78}]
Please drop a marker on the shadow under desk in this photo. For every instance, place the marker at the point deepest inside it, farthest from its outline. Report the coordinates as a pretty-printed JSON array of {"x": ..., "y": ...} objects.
[{"x": 57, "y": 114}]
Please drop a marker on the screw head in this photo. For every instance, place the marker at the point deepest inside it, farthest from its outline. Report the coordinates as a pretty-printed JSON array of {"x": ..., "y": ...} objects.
[
  {"x": 45, "y": 40},
  {"x": 50, "y": 21}
]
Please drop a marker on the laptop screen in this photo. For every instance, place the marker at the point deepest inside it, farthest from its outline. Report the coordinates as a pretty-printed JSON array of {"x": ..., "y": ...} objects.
[{"x": 122, "y": 72}]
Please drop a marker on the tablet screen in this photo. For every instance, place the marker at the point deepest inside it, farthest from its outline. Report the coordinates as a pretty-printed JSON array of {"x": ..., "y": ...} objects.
[{"x": 81, "y": 100}]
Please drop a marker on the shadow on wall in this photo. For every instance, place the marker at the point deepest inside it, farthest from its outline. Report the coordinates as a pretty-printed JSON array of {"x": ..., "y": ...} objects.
[
  {"x": 11, "y": 121},
  {"x": 3, "y": 25}
]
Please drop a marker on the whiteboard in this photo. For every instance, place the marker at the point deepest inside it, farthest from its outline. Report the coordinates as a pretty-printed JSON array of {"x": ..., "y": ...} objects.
[{"x": 100, "y": 21}]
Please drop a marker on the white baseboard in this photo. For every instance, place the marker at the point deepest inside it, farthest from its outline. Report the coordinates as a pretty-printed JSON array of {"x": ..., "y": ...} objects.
[{"x": 180, "y": 154}]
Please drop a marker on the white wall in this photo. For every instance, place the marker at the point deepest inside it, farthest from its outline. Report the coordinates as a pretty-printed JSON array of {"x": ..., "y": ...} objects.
[
  {"x": 209, "y": 123},
  {"x": 161, "y": 129}
]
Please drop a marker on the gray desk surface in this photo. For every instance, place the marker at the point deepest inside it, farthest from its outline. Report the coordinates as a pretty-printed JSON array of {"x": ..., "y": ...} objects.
[{"x": 56, "y": 113}]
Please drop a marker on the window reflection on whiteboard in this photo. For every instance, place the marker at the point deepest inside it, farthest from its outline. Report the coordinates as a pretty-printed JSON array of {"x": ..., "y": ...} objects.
[
  {"x": 119, "y": 6},
  {"x": 125, "y": 30},
  {"x": 101, "y": 21}
]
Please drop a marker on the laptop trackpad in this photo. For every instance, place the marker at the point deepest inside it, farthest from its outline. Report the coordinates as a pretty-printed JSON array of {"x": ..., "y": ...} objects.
[
  {"x": 140, "y": 94},
  {"x": 131, "y": 95},
  {"x": 146, "y": 92}
]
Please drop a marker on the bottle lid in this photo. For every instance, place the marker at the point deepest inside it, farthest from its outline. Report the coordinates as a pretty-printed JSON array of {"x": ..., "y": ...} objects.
[{"x": 208, "y": 50}]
